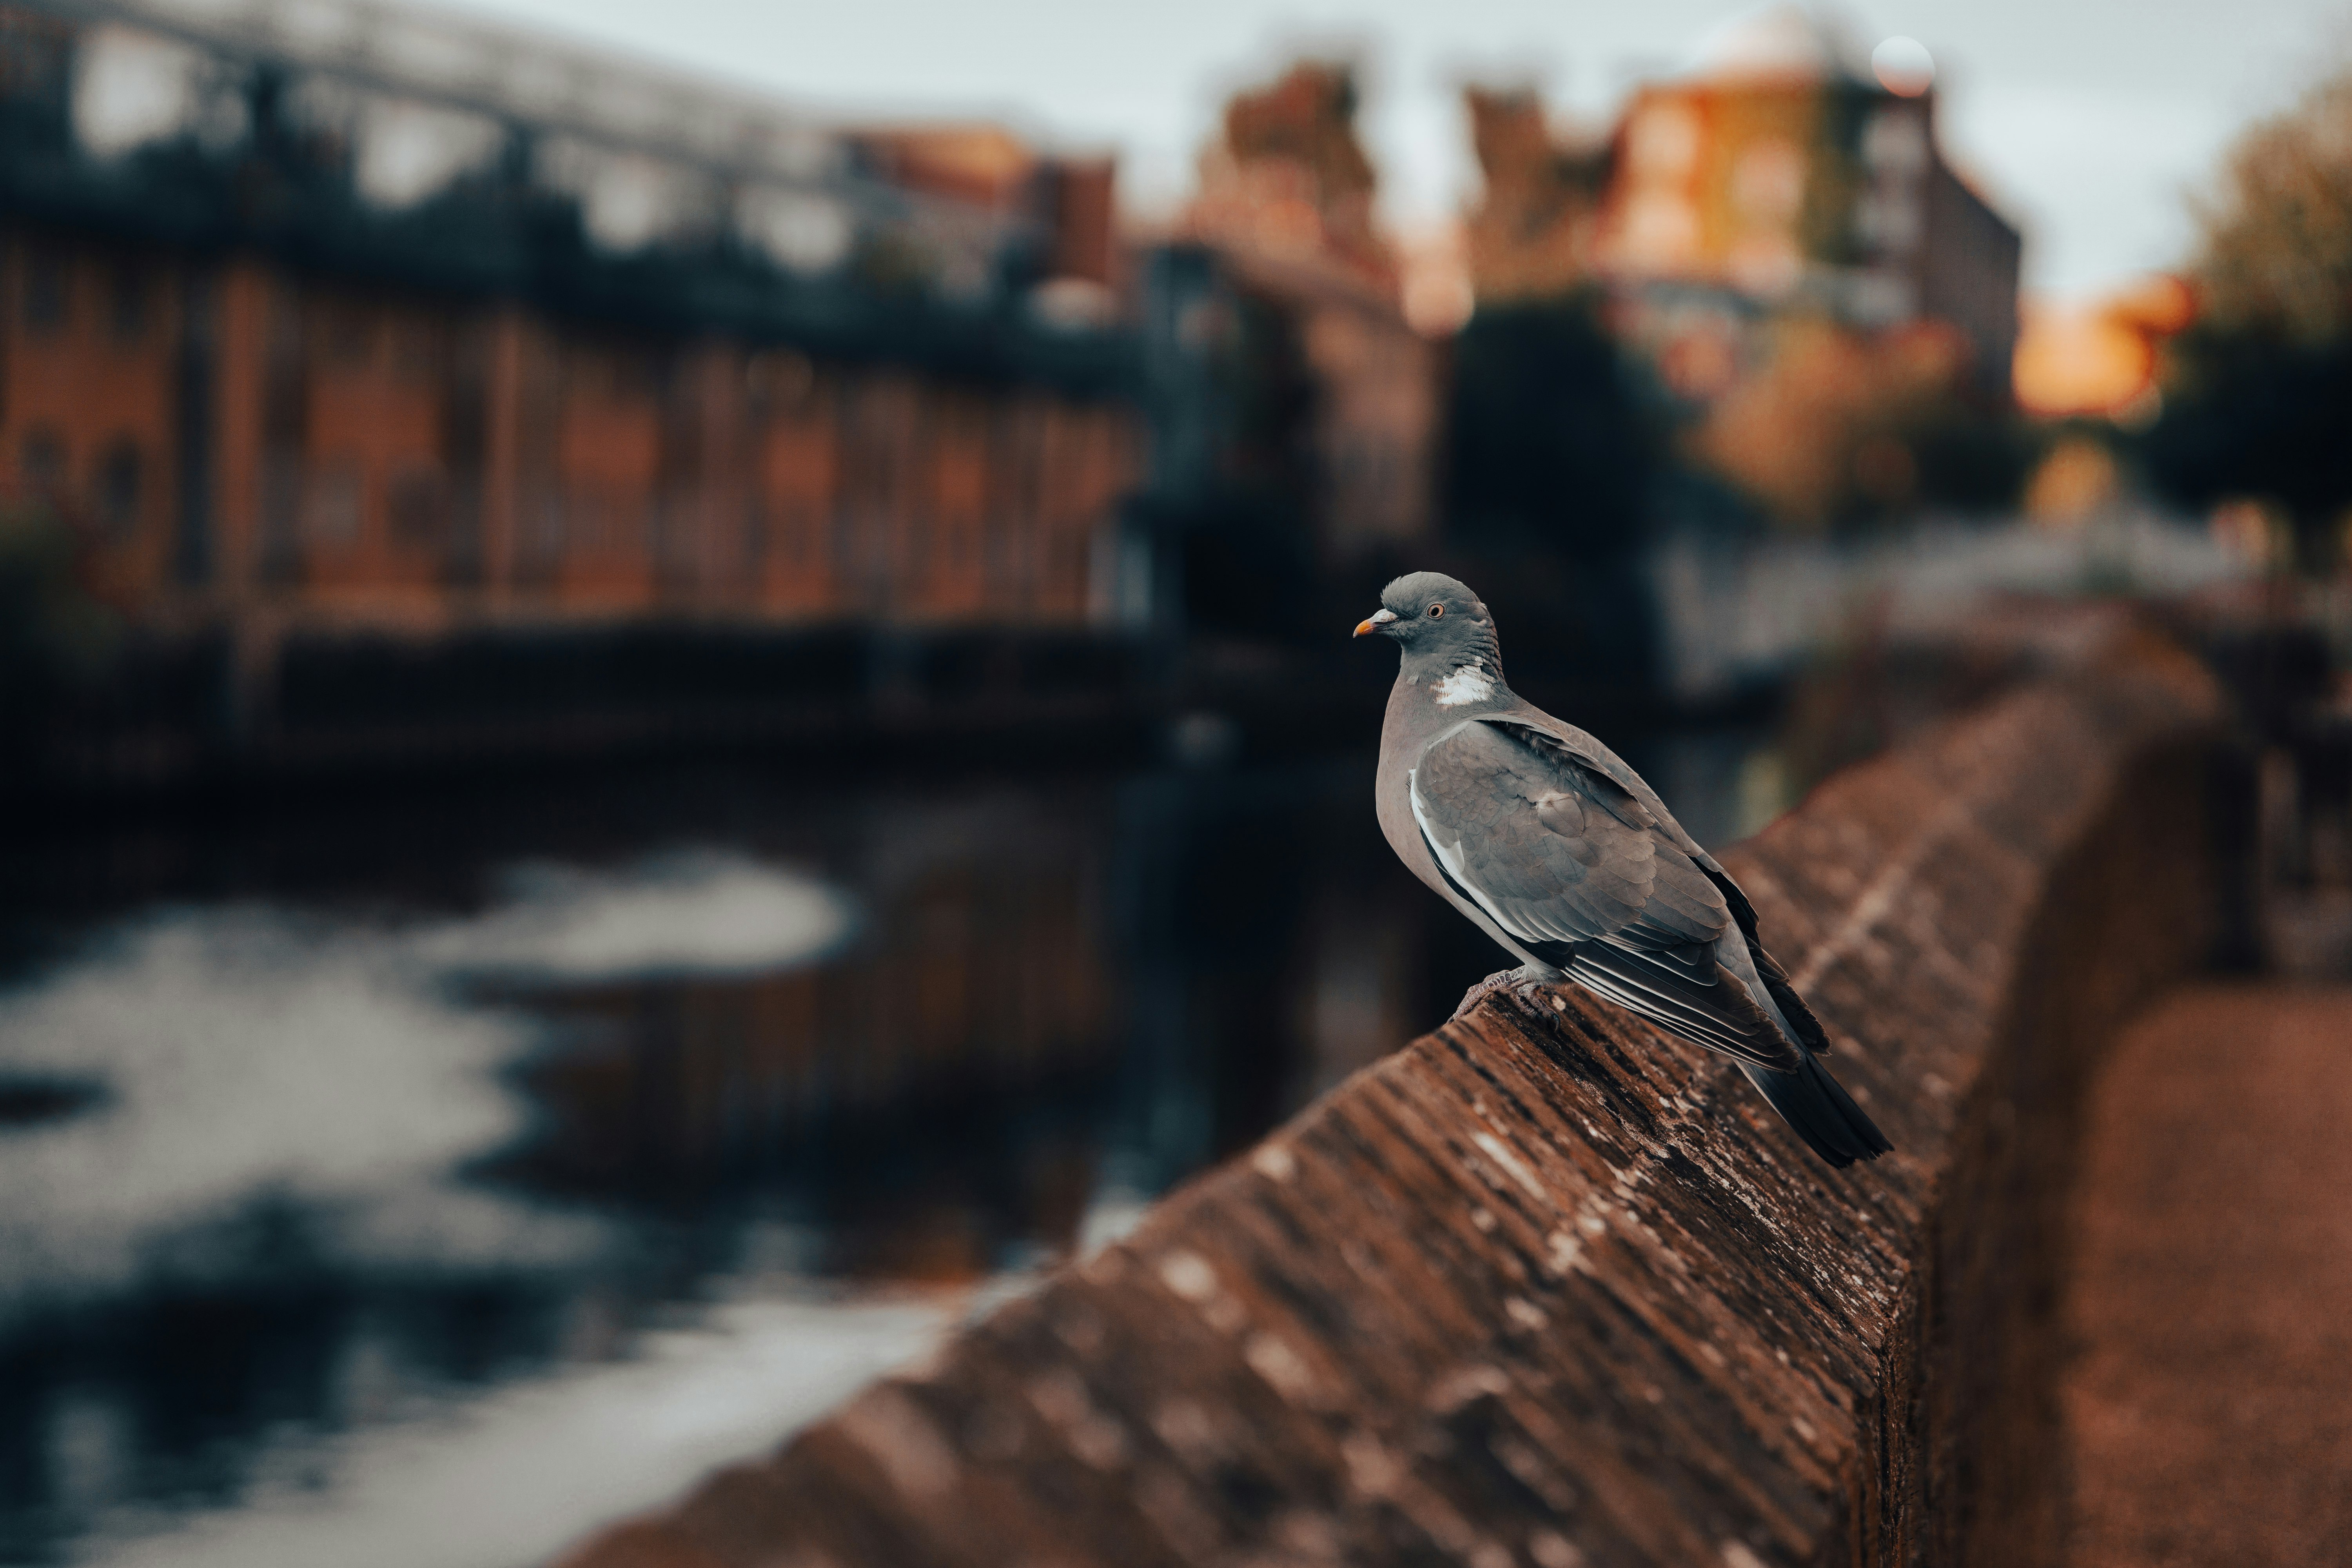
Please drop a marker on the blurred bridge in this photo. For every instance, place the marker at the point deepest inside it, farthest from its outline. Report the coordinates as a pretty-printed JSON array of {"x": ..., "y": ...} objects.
[
  {"x": 408, "y": 113},
  {"x": 333, "y": 332},
  {"x": 373, "y": 316}
]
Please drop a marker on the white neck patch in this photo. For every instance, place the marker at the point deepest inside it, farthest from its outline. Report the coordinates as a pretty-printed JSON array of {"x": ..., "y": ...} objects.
[{"x": 1467, "y": 684}]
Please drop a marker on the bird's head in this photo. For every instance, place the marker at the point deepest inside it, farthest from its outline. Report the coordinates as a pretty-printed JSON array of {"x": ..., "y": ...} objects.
[{"x": 1434, "y": 620}]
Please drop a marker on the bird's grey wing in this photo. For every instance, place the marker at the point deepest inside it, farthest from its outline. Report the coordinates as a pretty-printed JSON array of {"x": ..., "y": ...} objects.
[
  {"x": 1574, "y": 868},
  {"x": 1575, "y": 748}
]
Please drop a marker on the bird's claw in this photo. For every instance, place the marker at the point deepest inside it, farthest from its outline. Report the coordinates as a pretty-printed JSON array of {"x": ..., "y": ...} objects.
[{"x": 1501, "y": 980}]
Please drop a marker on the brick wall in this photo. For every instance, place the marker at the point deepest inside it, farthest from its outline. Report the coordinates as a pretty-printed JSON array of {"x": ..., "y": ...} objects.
[
  {"x": 371, "y": 456},
  {"x": 1546, "y": 1287}
]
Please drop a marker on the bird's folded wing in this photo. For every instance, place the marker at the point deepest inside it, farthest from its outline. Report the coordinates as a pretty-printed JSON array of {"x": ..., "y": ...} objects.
[
  {"x": 1576, "y": 868},
  {"x": 1575, "y": 748}
]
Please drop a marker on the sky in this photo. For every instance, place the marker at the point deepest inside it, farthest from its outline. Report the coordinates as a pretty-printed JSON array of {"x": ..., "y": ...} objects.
[{"x": 2089, "y": 122}]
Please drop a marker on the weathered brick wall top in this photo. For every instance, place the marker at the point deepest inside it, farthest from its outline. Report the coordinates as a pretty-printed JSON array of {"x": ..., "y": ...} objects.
[{"x": 1548, "y": 1288}]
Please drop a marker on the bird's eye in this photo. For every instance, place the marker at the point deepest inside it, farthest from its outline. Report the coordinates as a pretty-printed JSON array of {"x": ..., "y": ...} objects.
[{"x": 1435, "y": 611}]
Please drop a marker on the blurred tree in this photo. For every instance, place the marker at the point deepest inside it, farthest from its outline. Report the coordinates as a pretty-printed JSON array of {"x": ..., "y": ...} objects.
[
  {"x": 54, "y": 639},
  {"x": 1842, "y": 429},
  {"x": 1548, "y": 444},
  {"x": 2258, "y": 390},
  {"x": 1971, "y": 458},
  {"x": 1552, "y": 465},
  {"x": 2277, "y": 253},
  {"x": 1247, "y": 543}
]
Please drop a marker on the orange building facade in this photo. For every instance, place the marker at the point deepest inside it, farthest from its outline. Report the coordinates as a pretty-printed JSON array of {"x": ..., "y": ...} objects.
[{"x": 1772, "y": 179}]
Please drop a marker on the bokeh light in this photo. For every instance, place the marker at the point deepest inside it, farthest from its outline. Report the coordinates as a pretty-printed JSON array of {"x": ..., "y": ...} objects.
[{"x": 1903, "y": 65}]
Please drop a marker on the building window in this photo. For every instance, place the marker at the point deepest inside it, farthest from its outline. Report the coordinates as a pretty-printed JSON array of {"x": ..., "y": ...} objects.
[
  {"x": 127, "y": 301},
  {"x": 332, "y": 515},
  {"x": 780, "y": 380},
  {"x": 417, "y": 347},
  {"x": 120, "y": 488},
  {"x": 349, "y": 331},
  {"x": 544, "y": 535},
  {"x": 41, "y": 465},
  {"x": 637, "y": 375},
  {"x": 46, "y": 279},
  {"x": 583, "y": 521},
  {"x": 758, "y": 533},
  {"x": 417, "y": 510}
]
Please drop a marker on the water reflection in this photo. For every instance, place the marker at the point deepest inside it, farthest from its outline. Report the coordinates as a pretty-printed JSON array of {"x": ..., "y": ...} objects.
[{"x": 432, "y": 1180}]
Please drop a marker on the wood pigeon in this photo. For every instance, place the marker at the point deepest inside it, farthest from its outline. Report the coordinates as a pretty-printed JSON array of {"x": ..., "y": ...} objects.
[{"x": 1560, "y": 852}]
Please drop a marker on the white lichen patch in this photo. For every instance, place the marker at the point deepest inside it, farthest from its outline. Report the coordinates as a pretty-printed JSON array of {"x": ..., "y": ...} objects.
[
  {"x": 1493, "y": 1150},
  {"x": 1273, "y": 1359},
  {"x": 1552, "y": 1549},
  {"x": 1274, "y": 1162},
  {"x": 1186, "y": 1428},
  {"x": 895, "y": 1431},
  {"x": 1372, "y": 1470},
  {"x": 1189, "y": 1275}
]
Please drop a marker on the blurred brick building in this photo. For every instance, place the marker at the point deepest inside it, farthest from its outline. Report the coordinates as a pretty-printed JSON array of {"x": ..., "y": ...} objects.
[
  {"x": 1338, "y": 393},
  {"x": 393, "y": 322},
  {"x": 1773, "y": 172},
  {"x": 1779, "y": 237}
]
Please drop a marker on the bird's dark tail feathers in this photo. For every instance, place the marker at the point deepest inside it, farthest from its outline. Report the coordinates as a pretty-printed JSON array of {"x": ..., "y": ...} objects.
[{"x": 1821, "y": 1111}]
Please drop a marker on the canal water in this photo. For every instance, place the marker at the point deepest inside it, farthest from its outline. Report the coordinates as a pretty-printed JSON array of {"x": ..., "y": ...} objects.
[{"x": 428, "y": 1178}]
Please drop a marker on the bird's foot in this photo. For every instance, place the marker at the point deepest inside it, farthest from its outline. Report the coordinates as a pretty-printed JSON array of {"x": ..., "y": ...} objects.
[{"x": 1522, "y": 979}]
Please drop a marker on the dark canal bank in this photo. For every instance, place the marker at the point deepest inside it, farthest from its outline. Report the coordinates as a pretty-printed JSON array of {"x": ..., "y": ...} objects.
[{"x": 437, "y": 1173}]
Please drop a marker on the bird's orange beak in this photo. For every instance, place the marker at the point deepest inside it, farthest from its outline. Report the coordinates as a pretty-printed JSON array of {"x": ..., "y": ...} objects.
[{"x": 1374, "y": 621}]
